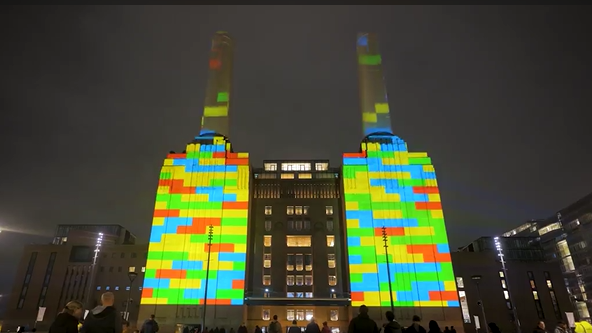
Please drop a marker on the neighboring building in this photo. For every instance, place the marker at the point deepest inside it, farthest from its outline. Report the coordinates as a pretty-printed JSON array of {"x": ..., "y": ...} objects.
[
  {"x": 211, "y": 211},
  {"x": 536, "y": 286},
  {"x": 50, "y": 275},
  {"x": 566, "y": 239}
]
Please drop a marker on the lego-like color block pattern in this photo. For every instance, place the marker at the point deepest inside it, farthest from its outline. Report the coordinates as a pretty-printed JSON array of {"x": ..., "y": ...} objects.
[
  {"x": 373, "y": 96},
  {"x": 207, "y": 185},
  {"x": 387, "y": 186}
]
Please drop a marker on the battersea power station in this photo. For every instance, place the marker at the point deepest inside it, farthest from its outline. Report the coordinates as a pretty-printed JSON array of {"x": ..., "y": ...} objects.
[{"x": 236, "y": 241}]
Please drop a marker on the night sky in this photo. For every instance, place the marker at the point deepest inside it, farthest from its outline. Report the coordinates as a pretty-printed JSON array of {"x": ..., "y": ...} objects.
[{"x": 93, "y": 98}]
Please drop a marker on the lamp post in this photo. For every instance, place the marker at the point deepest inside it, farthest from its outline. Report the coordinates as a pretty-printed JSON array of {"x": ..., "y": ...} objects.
[
  {"x": 132, "y": 276},
  {"x": 477, "y": 279},
  {"x": 91, "y": 279},
  {"x": 500, "y": 253},
  {"x": 388, "y": 269},
  {"x": 210, "y": 237}
]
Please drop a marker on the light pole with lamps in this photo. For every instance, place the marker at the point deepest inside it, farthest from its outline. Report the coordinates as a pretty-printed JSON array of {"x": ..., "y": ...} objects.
[
  {"x": 477, "y": 279},
  {"x": 388, "y": 269},
  {"x": 132, "y": 276},
  {"x": 210, "y": 237},
  {"x": 500, "y": 254},
  {"x": 98, "y": 244}
]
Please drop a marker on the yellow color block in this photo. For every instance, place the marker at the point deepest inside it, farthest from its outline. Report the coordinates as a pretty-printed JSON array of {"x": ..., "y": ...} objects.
[
  {"x": 372, "y": 298},
  {"x": 416, "y": 155},
  {"x": 161, "y": 301},
  {"x": 228, "y": 146},
  {"x": 190, "y": 148},
  {"x": 351, "y": 205},
  {"x": 353, "y": 223},
  {"x": 419, "y": 231},
  {"x": 162, "y": 189},
  {"x": 385, "y": 295},
  {"x": 431, "y": 182},
  {"x": 369, "y": 117},
  {"x": 386, "y": 214},
  {"x": 215, "y": 111},
  {"x": 243, "y": 155},
  {"x": 161, "y": 205},
  {"x": 449, "y": 286},
  {"x": 363, "y": 268},
  {"x": 437, "y": 214},
  {"x": 363, "y": 146},
  {"x": 168, "y": 161},
  {"x": 157, "y": 221},
  {"x": 373, "y": 146},
  {"x": 198, "y": 253},
  {"x": 240, "y": 248},
  {"x": 233, "y": 230},
  {"x": 225, "y": 266},
  {"x": 389, "y": 175},
  {"x": 428, "y": 168},
  {"x": 381, "y": 108},
  {"x": 158, "y": 264},
  {"x": 429, "y": 303},
  {"x": 367, "y": 241},
  {"x": 219, "y": 140},
  {"x": 434, "y": 197}
]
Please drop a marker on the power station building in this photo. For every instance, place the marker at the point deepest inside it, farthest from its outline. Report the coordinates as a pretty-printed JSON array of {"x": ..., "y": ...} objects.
[{"x": 297, "y": 239}]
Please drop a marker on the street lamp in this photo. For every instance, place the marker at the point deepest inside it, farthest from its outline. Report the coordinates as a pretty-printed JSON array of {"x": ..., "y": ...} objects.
[
  {"x": 210, "y": 237},
  {"x": 98, "y": 244},
  {"x": 132, "y": 276},
  {"x": 477, "y": 279},
  {"x": 388, "y": 269},
  {"x": 500, "y": 254}
]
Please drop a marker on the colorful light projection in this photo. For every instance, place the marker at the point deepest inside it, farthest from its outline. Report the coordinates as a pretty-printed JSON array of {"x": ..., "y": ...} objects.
[
  {"x": 207, "y": 185},
  {"x": 385, "y": 185}
]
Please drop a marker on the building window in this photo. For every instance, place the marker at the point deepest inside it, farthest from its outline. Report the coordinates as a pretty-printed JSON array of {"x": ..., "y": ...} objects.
[
  {"x": 504, "y": 286},
  {"x": 535, "y": 295},
  {"x": 308, "y": 280},
  {"x": 328, "y": 210},
  {"x": 459, "y": 282},
  {"x": 556, "y": 309},
  {"x": 265, "y": 314},
  {"x": 290, "y": 314},
  {"x": 290, "y": 280},
  {"x": 267, "y": 260},
  {"x": 506, "y": 295},
  {"x": 295, "y": 166},
  {"x": 116, "y": 287},
  {"x": 290, "y": 263},
  {"x": 98, "y": 287},
  {"x": 332, "y": 280},
  {"x": 268, "y": 210},
  {"x": 501, "y": 274},
  {"x": 330, "y": 225},
  {"x": 298, "y": 241},
  {"x": 305, "y": 176},
  {"x": 267, "y": 240},
  {"x": 266, "y": 293},
  {"x": 309, "y": 314},
  {"x": 308, "y": 294},
  {"x": 299, "y": 280},
  {"x": 464, "y": 306},
  {"x": 131, "y": 269},
  {"x": 270, "y": 166},
  {"x": 267, "y": 280},
  {"x": 321, "y": 166},
  {"x": 127, "y": 288},
  {"x": 143, "y": 269},
  {"x": 330, "y": 240},
  {"x": 306, "y": 224},
  {"x": 299, "y": 314},
  {"x": 287, "y": 176},
  {"x": 267, "y": 225},
  {"x": 290, "y": 294},
  {"x": 25, "y": 287},
  {"x": 290, "y": 210},
  {"x": 298, "y": 225},
  {"x": 308, "y": 262},
  {"x": 305, "y": 210},
  {"x": 298, "y": 210},
  {"x": 334, "y": 315},
  {"x": 299, "y": 262},
  {"x": 331, "y": 260}
]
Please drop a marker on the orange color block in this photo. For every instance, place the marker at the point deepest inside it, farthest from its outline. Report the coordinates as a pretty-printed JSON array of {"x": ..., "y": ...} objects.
[
  {"x": 429, "y": 252},
  {"x": 357, "y": 296},
  {"x": 219, "y": 301},
  {"x": 362, "y": 154},
  {"x": 165, "y": 182},
  {"x": 238, "y": 284},
  {"x": 221, "y": 247},
  {"x": 177, "y": 187},
  {"x": 426, "y": 190},
  {"x": 199, "y": 225},
  {"x": 147, "y": 292},
  {"x": 428, "y": 205},
  {"x": 237, "y": 161},
  {"x": 443, "y": 296},
  {"x": 166, "y": 213},
  {"x": 219, "y": 155},
  {"x": 391, "y": 231},
  {"x": 177, "y": 156},
  {"x": 231, "y": 155},
  {"x": 170, "y": 274},
  {"x": 235, "y": 205}
]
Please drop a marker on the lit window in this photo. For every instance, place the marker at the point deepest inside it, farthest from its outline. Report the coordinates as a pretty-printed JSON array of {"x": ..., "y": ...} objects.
[
  {"x": 127, "y": 288},
  {"x": 267, "y": 225},
  {"x": 287, "y": 176},
  {"x": 535, "y": 295},
  {"x": 329, "y": 210},
  {"x": 116, "y": 287},
  {"x": 331, "y": 260},
  {"x": 299, "y": 262},
  {"x": 305, "y": 176},
  {"x": 290, "y": 280},
  {"x": 305, "y": 210},
  {"x": 298, "y": 241},
  {"x": 290, "y": 210},
  {"x": 143, "y": 269},
  {"x": 308, "y": 262},
  {"x": 267, "y": 260},
  {"x": 298, "y": 210},
  {"x": 290, "y": 262},
  {"x": 98, "y": 287},
  {"x": 506, "y": 294},
  {"x": 501, "y": 274},
  {"x": 290, "y": 294},
  {"x": 267, "y": 240},
  {"x": 459, "y": 282},
  {"x": 330, "y": 240},
  {"x": 332, "y": 280},
  {"x": 266, "y": 280},
  {"x": 131, "y": 269},
  {"x": 268, "y": 210},
  {"x": 299, "y": 280},
  {"x": 308, "y": 294},
  {"x": 503, "y": 281},
  {"x": 266, "y": 294},
  {"x": 308, "y": 280},
  {"x": 265, "y": 314},
  {"x": 321, "y": 166},
  {"x": 334, "y": 315},
  {"x": 464, "y": 306},
  {"x": 290, "y": 314},
  {"x": 309, "y": 314},
  {"x": 107, "y": 288},
  {"x": 549, "y": 284},
  {"x": 270, "y": 166},
  {"x": 299, "y": 314},
  {"x": 295, "y": 166},
  {"x": 532, "y": 284}
]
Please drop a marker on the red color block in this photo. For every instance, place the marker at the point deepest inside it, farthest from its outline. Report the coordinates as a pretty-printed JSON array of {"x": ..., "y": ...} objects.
[
  {"x": 390, "y": 231},
  {"x": 219, "y": 301},
  {"x": 215, "y": 63},
  {"x": 219, "y": 154},
  {"x": 237, "y": 161},
  {"x": 428, "y": 205},
  {"x": 147, "y": 293},
  {"x": 176, "y": 156},
  {"x": 231, "y": 155},
  {"x": 238, "y": 284},
  {"x": 177, "y": 187},
  {"x": 357, "y": 296},
  {"x": 443, "y": 296},
  {"x": 166, "y": 213},
  {"x": 171, "y": 274},
  {"x": 360, "y": 155},
  {"x": 221, "y": 247},
  {"x": 235, "y": 205},
  {"x": 426, "y": 189},
  {"x": 199, "y": 225},
  {"x": 429, "y": 252}
]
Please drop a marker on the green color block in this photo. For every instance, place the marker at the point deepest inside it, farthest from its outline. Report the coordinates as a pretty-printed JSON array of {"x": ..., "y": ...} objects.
[
  {"x": 238, "y": 266},
  {"x": 367, "y": 59},
  {"x": 165, "y": 175},
  {"x": 167, "y": 255},
  {"x": 150, "y": 273},
  {"x": 420, "y": 161},
  {"x": 222, "y": 97}
]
